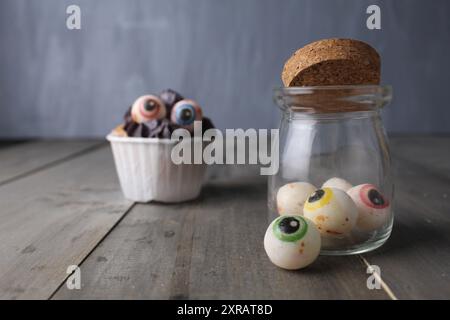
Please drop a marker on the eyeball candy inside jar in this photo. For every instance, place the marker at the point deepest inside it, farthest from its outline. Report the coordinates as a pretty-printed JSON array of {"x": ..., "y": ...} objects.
[
  {"x": 146, "y": 108},
  {"x": 292, "y": 196},
  {"x": 292, "y": 242},
  {"x": 373, "y": 208},
  {"x": 337, "y": 183},
  {"x": 185, "y": 112},
  {"x": 332, "y": 210}
]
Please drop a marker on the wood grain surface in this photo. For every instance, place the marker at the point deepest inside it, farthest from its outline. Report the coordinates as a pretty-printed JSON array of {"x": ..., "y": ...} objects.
[
  {"x": 415, "y": 262},
  {"x": 72, "y": 212},
  {"x": 22, "y": 159},
  {"x": 52, "y": 219},
  {"x": 211, "y": 248}
]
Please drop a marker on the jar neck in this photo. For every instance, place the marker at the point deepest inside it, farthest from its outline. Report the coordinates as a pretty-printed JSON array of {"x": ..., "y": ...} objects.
[
  {"x": 291, "y": 115},
  {"x": 332, "y": 102}
]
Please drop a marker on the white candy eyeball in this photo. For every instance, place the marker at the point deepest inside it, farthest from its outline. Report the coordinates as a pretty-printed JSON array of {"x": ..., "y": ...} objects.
[
  {"x": 292, "y": 196},
  {"x": 333, "y": 212},
  {"x": 373, "y": 208},
  {"x": 337, "y": 183},
  {"x": 292, "y": 242}
]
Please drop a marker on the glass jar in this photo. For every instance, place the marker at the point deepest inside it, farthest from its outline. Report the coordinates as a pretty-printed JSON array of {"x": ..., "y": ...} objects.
[{"x": 337, "y": 131}]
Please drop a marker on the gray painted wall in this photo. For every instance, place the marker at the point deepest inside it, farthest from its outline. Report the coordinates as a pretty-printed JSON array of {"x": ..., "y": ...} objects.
[{"x": 226, "y": 54}]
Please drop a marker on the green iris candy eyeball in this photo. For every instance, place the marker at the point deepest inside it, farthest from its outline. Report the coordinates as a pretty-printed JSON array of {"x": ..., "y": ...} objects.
[{"x": 292, "y": 242}]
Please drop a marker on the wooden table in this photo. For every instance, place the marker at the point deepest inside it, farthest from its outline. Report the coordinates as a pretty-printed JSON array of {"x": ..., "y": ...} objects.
[{"x": 61, "y": 205}]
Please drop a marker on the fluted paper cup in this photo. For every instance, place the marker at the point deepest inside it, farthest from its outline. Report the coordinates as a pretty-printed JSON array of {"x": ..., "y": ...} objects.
[{"x": 146, "y": 171}]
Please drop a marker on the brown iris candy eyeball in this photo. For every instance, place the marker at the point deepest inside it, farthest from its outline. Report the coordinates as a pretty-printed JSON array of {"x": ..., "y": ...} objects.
[
  {"x": 333, "y": 212},
  {"x": 373, "y": 208},
  {"x": 292, "y": 242},
  {"x": 146, "y": 108}
]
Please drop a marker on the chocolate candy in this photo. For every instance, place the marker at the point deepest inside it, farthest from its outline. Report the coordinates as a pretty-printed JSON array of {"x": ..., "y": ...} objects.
[
  {"x": 127, "y": 116},
  {"x": 170, "y": 97},
  {"x": 160, "y": 128},
  {"x": 130, "y": 127},
  {"x": 207, "y": 124}
]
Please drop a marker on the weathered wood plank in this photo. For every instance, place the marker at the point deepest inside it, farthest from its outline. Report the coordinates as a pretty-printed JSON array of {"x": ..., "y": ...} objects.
[
  {"x": 415, "y": 262},
  {"x": 24, "y": 158},
  {"x": 183, "y": 251},
  {"x": 433, "y": 152},
  {"x": 53, "y": 219},
  {"x": 210, "y": 248},
  {"x": 10, "y": 143}
]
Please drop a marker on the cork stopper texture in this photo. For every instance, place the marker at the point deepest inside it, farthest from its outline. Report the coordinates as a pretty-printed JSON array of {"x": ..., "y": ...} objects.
[{"x": 333, "y": 62}]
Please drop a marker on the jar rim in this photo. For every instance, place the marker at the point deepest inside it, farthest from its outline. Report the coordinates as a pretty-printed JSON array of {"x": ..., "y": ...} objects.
[
  {"x": 333, "y": 99},
  {"x": 333, "y": 87}
]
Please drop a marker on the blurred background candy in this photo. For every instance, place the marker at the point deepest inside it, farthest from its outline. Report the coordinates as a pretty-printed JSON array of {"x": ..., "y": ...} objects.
[
  {"x": 228, "y": 55},
  {"x": 170, "y": 97},
  {"x": 185, "y": 112},
  {"x": 149, "y": 117},
  {"x": 148, "y": 107}
]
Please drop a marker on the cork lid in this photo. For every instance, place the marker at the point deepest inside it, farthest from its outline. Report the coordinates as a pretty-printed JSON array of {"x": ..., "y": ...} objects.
[{"x": 333, "y": 62}]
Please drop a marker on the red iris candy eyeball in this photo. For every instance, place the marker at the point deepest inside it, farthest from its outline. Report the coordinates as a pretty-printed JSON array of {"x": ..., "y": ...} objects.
[
  {"x": 146, "y": 108},
  {"x": 185, "y": 112},
  {"x": 373, "y": 208}
]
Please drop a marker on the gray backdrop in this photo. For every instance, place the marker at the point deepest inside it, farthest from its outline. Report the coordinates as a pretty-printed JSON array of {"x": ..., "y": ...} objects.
[{"x": 226, "y": 54}]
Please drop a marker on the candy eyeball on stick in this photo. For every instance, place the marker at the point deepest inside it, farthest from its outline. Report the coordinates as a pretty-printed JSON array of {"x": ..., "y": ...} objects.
[
  {"x": 332, "y": 210},
  {"x": 292, "y": 242},
  {"x": 292, "y": 196},
  {"x": 337, "y": 183},
  {"x": 185, "y": 112},
  {"x": 146, "y": 108},
  {"x": 373, "y": 208}
]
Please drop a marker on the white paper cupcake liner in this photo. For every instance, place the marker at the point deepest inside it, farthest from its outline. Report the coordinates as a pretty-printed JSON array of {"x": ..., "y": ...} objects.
[{"x": 146, "y": 171}]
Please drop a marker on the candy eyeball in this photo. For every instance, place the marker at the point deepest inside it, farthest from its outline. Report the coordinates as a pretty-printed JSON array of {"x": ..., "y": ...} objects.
[
  {"x": 332, "y": 210},
  {"x": 146, "y": 108},
  {"x": 292, "y": 196},
  {"x": 292, "y": 242},
  {"x": 337, "y": 183},
  {"x": 185, "y": 112},
  {"x": 373, "y": 208}
]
